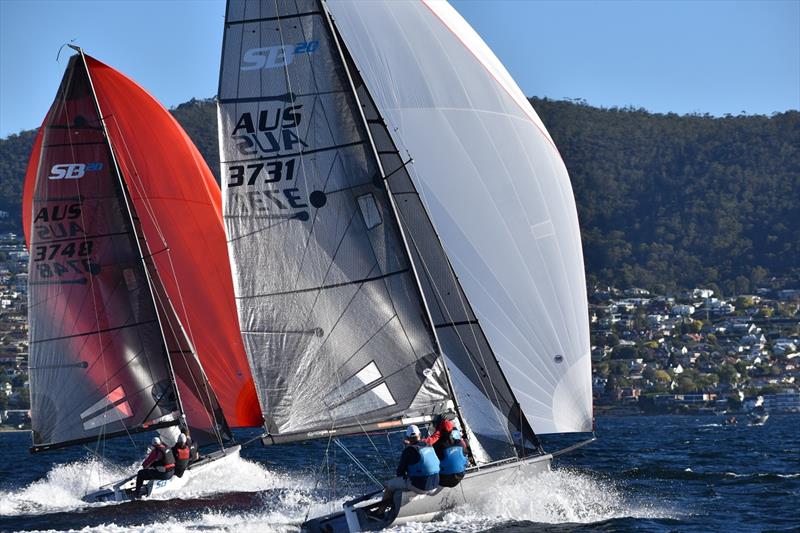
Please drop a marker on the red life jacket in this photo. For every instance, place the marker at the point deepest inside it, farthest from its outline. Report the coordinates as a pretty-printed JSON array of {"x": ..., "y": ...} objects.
[{"x": 182, "y": 453}]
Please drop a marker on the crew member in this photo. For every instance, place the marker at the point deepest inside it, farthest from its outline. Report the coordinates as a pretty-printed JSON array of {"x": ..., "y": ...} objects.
[
  {"x": 182, "y": 453},
  {"x": 418, "y": 470},
  {"x": 453, "y": 460},
  {"x": 443, "y": 427},
  {"x": 194, "y": 455},
  {"x": 159, "y": 464}
]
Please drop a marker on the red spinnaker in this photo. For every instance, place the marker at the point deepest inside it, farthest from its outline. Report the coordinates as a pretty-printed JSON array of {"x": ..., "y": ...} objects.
[{"x": 180, "y": 207}]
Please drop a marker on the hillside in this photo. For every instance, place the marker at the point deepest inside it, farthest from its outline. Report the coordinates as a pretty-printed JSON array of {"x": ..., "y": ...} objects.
[{"x": 665, "y": 201}]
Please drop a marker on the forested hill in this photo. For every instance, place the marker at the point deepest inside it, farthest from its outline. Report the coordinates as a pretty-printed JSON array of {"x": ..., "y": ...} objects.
[{"x": 665, "y": 201}]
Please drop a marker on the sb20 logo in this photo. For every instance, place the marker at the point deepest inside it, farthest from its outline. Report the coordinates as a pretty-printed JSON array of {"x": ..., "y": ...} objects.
[
  {"x": 72, "y": 171},
  {"x": 275, "y": 56}
]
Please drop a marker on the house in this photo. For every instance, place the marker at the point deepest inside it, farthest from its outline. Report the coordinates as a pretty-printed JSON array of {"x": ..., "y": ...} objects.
[
  {"x": 702, "y": 294},
  {"x": 683, "y": 310}
]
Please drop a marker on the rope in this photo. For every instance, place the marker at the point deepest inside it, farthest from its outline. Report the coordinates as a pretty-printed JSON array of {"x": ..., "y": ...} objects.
[{"x": 357, "y": 462}]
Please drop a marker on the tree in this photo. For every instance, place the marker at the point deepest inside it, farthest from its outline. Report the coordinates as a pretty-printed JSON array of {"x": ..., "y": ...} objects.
[{"x": 727, "y": 374}]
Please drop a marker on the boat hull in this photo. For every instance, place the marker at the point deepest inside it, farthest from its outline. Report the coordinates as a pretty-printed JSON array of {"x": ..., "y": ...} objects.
[
  {"x": 122, "y": 490},
  {"x": 360, "y": 515}
]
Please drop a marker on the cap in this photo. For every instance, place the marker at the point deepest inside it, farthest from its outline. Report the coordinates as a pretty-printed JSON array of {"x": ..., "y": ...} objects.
[
  {"x": 181, "y": 439},
  {"x": 455, "y": 434},
  {"x": 412, "y": 431},
  {"x": 156, "y": 441}
]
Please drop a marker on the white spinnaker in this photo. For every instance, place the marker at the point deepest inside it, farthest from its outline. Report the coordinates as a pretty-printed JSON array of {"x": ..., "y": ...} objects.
[{"x": 496, "y": 190}]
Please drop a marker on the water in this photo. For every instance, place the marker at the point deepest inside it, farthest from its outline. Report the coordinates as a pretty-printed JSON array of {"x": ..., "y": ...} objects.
[{"x": 666, "y": 473}]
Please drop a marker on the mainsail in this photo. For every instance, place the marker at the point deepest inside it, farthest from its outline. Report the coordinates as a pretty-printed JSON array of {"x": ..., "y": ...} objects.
[
  {"x": 335, "y": 325},
  {"x": 154, "y": 190},
  {"x": 98, "y": 364}
]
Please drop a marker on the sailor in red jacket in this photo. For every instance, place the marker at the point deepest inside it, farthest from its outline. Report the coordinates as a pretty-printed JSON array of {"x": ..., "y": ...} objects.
[
  {"x": 159, "y": 464},
  {"x": 183, "y": 453}
]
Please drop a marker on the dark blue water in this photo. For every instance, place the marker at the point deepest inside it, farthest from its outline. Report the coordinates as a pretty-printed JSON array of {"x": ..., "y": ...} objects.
[{"x": 661, "y": 474}]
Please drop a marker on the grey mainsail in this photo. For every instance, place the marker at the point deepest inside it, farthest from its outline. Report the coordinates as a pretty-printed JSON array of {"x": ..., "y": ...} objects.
[
  {"x": 334, "y": 324},
  {"x": 98, "y": 363}
]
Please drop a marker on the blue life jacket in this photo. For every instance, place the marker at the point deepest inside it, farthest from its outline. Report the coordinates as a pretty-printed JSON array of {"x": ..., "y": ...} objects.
[
  {"x": 454, "y": 461},
  {"x": 424, "y": 474}
]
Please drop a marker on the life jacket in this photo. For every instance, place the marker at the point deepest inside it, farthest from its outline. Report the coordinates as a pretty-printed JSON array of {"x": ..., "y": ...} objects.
[
  {"x": 454, "y": 461},
  {"x": 428, "y": 464},
  {"x": 182, "y": 454},
  {"x": 167, "y": 460}
]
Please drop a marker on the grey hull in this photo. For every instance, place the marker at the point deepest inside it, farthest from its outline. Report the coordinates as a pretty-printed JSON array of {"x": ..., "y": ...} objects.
[{"x": 360, "y": 514}]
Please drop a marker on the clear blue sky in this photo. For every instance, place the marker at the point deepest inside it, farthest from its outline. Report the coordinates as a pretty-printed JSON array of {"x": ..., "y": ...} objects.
[{"x": 682, "y": 56}]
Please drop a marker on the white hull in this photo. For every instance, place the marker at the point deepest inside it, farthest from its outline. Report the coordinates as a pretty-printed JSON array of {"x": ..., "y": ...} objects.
[
  {"x": 358, "y": 515},
  {"x": 122, "y": 490}
]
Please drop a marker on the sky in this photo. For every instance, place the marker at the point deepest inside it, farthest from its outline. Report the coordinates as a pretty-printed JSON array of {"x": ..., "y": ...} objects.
[{"x": 679, "y": 56}]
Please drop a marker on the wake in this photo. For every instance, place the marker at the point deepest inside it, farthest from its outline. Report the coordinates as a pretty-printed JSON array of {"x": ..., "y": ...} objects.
[
  {"x": 283, "y": 501},
  {"x": 61, "y": 490},
  {"x": 555, "y": 497}
]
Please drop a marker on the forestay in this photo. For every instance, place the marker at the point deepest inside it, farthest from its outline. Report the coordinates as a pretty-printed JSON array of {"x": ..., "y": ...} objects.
[
  {"x": 496, "y": 190},
  {"x": 331, "y": 314},
  {"x": 98, "y": 364}
]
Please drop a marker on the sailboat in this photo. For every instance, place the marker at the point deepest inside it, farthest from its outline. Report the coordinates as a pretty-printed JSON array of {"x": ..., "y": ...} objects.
[
  {"x": 132, "y": 321},
  {"x": 403, "y": 237}
]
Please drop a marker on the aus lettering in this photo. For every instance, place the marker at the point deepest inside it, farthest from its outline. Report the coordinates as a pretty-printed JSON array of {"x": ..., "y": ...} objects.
[{"x": 272, "y": 130}]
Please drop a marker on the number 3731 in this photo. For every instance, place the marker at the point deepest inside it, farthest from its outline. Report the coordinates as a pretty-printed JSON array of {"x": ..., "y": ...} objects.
[{"x": 258, "y": 173}]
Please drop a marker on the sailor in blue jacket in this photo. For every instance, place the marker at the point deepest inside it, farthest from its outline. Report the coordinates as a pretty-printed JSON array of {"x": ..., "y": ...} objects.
[
  {"x": 418, "y": 470},
  {"x": 452, "y": 459}
]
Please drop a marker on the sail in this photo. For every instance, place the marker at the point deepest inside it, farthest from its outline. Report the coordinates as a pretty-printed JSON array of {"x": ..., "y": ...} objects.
[
  {"x": 486, "y": 403},
  {"x": 333, "y": 320},
  {"x": 199, "y": 403},
  {"x": 179, "y": 207},
  {"x": 497, "y": 193},
  {"x": 98, "y": 365}
]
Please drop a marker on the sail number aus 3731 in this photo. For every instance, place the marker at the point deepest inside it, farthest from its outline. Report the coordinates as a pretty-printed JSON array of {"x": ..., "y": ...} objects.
[{"x": 272, "y": 172}]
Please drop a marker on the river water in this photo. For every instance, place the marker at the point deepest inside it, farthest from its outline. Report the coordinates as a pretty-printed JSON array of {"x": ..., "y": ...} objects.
[{"x": 664, "y": 473}]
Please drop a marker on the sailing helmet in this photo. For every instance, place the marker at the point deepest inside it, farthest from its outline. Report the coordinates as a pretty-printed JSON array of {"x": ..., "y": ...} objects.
[
  {"x": 181, "y": 439},
  {"x": 156, "y": 441},
  {"x": 412, "y": 431}
]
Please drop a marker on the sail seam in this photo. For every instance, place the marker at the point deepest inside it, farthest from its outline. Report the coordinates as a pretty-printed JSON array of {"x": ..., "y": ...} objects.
[
  {"x": 272, "y": 19},
  {"x": 325, "y": 287}
]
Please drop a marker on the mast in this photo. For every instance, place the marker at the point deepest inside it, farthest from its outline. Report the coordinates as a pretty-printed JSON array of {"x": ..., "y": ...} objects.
[
  {"x": 392, "y": 203},
  {"x": 137, "y": 231}
]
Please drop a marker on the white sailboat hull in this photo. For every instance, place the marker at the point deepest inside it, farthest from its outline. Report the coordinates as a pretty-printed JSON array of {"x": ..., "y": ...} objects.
[
  {"x": 122, "y": 490},
  {"x": 358, "y": 515}
]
